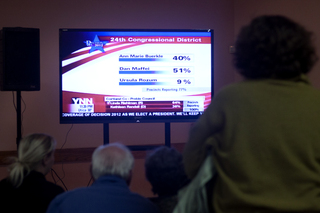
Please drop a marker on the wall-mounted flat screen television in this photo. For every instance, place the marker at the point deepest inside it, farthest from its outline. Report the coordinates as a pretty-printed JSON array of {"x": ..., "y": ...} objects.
[{"x": 130, "y": 76}]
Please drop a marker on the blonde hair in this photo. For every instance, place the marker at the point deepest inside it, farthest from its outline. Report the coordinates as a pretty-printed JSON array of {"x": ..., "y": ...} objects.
[{"x": 32, "y": 149}]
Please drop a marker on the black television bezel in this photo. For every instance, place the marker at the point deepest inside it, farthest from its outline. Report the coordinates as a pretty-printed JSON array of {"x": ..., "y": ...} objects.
[{"x": 130, "y": 119}]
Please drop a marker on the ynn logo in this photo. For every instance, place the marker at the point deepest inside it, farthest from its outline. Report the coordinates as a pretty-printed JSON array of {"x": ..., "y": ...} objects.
[{"x": 82, "y": 101}]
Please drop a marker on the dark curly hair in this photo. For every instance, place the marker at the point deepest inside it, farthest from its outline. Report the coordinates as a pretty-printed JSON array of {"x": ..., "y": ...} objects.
[
  {"x": 274, "y": 47},
  {"x": 165, "y": 171}
]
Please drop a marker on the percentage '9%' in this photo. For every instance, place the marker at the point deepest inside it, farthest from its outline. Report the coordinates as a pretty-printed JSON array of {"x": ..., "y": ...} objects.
[{"x": 184, "y": 81}]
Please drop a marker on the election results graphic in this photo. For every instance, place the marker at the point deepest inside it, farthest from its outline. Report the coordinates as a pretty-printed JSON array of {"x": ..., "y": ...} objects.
[{"x": 135, "y": 73}]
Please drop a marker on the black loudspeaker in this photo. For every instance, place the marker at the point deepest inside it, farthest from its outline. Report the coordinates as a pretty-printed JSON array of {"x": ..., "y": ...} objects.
[{"x": 19, "y": 59}]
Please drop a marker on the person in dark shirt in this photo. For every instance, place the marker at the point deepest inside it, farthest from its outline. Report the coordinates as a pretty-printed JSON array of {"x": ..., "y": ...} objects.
[
  {"x": 26, "y": 188},
  {"x": 165, "y": 172}
]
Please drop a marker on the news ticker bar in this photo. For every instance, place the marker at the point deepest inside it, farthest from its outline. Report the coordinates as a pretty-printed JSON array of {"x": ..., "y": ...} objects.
[{"x": 119, "y": 114}]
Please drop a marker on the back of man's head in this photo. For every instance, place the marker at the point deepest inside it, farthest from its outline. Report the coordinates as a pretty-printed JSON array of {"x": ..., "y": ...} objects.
[
  {"x": 112, "y": 159},
  {"x": 165, "y": 171}
]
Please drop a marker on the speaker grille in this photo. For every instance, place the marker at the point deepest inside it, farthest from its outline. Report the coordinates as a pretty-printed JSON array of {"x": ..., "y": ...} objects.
[{"x": 20, "y": 59}]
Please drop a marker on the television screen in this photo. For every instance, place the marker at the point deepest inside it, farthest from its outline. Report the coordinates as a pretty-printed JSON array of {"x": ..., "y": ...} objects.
[{"x": 113, "y": 75}]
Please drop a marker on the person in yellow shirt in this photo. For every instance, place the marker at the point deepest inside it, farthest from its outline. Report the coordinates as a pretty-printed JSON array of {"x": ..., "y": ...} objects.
[{"x": 265, "y": 130}]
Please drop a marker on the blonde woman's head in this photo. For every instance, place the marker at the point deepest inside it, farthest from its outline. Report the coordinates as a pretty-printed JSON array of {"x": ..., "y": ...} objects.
[{"x": 35, "y": 152}]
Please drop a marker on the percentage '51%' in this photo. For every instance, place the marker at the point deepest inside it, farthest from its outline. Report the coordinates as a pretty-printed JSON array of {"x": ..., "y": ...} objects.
[{"x": 184, "y": 70}]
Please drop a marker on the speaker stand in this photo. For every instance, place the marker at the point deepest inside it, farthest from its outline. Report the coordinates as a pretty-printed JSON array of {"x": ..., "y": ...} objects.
[
  {"x": 167, "y": 129},
  {"x": 19, "y": 122}
]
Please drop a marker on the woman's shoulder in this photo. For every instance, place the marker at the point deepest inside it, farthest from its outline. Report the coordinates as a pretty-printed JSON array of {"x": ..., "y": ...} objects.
[{"x": 38, "y": 182}]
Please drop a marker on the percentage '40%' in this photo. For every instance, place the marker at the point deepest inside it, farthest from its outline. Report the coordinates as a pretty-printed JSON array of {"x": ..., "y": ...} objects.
[{"x": 181, "y": 58}]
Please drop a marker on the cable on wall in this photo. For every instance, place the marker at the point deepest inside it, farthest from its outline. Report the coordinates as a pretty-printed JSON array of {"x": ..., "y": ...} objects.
[{"x": 63, "y": 172}]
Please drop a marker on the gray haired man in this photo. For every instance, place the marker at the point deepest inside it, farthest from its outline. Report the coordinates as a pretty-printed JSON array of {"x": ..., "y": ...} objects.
[{"x": 112, "y": 171}]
